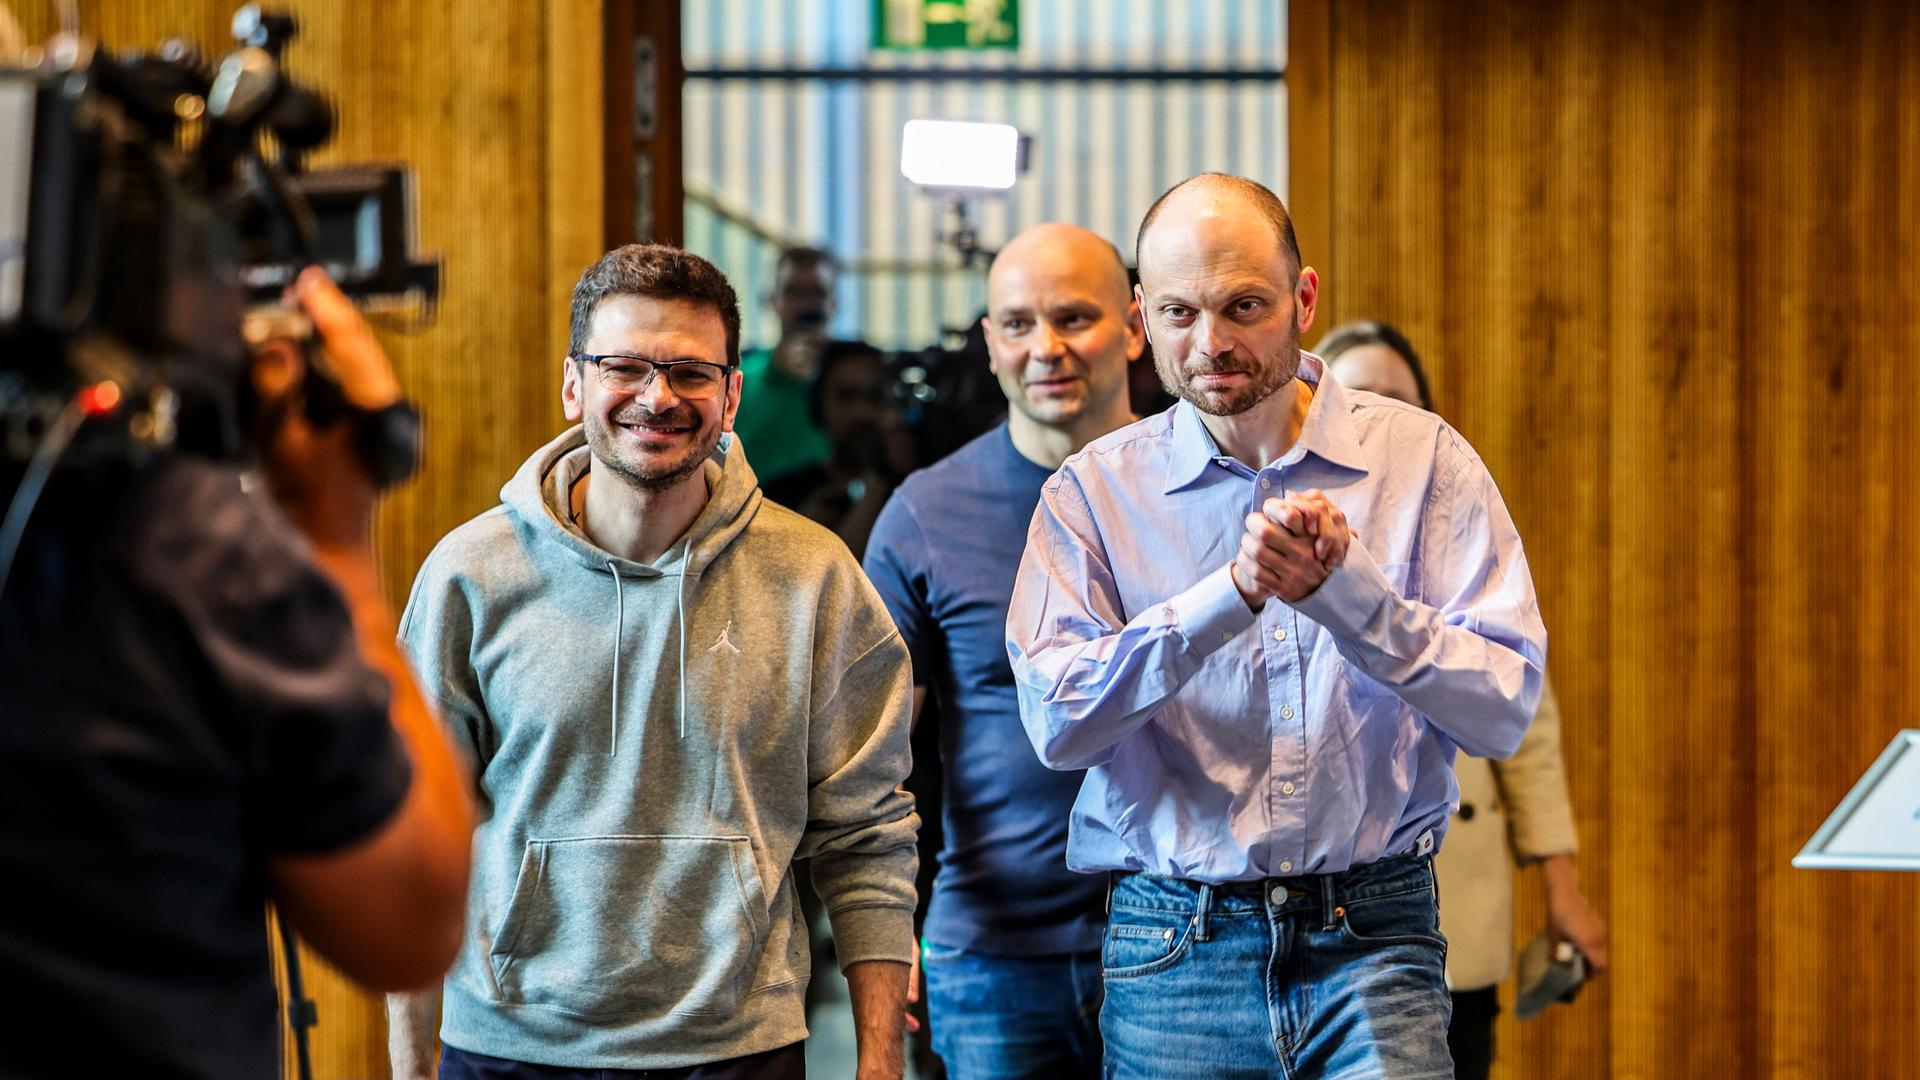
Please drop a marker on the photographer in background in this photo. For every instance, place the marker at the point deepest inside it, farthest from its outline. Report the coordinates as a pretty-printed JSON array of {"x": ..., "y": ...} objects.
[
  {"x": 202, "y": 708},
  {"x": 774, "y": 421}
]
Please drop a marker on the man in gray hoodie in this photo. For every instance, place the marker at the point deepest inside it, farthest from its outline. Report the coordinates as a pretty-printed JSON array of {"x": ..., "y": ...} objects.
[{"x": 671, "y": 690}]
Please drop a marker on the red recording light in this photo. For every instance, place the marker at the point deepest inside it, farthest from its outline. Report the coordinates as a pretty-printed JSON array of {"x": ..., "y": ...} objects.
[{"x": 100, "y": 399}]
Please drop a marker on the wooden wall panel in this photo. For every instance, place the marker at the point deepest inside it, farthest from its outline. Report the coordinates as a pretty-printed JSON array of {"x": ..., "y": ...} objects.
[
  {"x": 1310, "y": 124},
  {"x": 1834, "y": 278},
  {"x": 1662, "y": 261},
  {"x": 497, "y": 106}
]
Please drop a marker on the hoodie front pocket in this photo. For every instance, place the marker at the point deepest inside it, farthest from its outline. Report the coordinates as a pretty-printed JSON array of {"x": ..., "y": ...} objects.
[{"x": 632, "y": 926}]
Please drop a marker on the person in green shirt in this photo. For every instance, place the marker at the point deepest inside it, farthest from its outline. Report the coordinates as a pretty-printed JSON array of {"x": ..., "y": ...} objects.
[{"x": 774, "y": 422}]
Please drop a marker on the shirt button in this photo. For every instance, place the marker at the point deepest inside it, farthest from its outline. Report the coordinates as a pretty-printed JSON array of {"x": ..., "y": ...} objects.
[
  {"x": 1286, "y": 866},
  {"x": 1286, "y": 712},
  {"x": 1266, "y": 484},
  {"x": 1279, "y": 895},
  {"x": 1286, "y": 788},
  {"x": 1279, "y": 634}
]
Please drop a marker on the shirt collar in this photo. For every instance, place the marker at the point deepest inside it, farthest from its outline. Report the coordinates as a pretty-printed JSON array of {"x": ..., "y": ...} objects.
[{"x": 1328, "y": 432}]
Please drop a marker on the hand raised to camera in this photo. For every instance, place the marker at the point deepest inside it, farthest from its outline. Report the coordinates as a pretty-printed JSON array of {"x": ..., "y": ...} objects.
[
  {"x": 359, "y": 363},
  {"x": 317, "y": 474}
]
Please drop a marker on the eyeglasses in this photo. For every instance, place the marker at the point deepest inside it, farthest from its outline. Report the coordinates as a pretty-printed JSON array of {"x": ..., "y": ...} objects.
[{"x": 693, "y": 380}]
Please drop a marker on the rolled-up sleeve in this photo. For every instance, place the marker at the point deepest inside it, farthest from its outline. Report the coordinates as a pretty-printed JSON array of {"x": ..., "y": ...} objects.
[
  {"x": 1472, "y": 662},
  {"x": 1086, "y": 675}
]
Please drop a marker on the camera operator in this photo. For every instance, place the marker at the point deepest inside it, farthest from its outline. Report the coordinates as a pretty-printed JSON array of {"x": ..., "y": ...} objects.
[{"x": 202, "y": 707}]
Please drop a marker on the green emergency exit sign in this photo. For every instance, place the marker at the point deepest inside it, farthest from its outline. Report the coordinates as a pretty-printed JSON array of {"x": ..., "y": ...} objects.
[{"x": 946, "y": 24}]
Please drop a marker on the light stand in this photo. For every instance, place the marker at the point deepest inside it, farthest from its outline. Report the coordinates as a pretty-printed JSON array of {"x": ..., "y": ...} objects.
[{"x": 962, "y": 237}]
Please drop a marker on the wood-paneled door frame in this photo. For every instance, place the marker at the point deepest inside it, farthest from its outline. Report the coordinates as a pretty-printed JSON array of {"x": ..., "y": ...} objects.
[{"x": 644, "y": 74}]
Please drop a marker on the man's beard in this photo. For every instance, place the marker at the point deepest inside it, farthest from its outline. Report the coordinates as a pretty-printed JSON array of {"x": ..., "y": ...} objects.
[
  {"x": 648, "y": 471},
  {"x": 1266, "y": 377}
]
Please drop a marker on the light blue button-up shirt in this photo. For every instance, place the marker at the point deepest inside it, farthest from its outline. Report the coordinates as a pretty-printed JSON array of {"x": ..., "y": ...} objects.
[{"x": 1223, "y": 745}]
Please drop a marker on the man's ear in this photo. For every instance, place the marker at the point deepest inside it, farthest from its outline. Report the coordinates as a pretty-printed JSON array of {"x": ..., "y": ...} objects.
[
  {"x": 1140, "y": 308},
  {"x": 987, "y": 331},
  {"x": 735, "y": 380},
  {"x": 572, "y": 390},
  {"x": 1306, "y": 297}
]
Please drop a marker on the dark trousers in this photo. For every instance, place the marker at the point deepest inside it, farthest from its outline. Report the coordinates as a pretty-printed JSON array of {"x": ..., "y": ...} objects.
[
  {"x": 786, "y": 1063},
  {"x": 1470, "y": 1035}
]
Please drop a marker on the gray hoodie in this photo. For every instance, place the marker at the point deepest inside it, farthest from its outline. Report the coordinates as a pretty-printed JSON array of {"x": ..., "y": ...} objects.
[{"x": 654, "y": 746}]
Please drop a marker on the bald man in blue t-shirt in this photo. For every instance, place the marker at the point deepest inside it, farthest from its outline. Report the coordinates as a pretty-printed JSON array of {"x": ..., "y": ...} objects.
[{"x": 1012, "y": 950}]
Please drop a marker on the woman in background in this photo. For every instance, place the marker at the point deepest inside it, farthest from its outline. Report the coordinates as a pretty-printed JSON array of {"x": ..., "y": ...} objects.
[
  {"x": 851, "y": 402},
  {"x": 1512, "y": 812}
]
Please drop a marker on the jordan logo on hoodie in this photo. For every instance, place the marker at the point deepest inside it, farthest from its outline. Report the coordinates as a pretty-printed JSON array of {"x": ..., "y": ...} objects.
[{"x": 725, "y": 641}]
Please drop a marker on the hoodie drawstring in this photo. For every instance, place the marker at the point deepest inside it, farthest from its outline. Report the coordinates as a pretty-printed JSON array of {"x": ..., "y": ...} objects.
[
  {"x": 686, "y": 555},
  {"x": 619, "y": 632}
]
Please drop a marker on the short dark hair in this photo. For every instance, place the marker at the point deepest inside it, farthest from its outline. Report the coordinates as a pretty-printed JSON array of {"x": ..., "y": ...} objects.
[
  {"x": 1256, "y": 193},
  {"x": 1355, "y": 334},
  {"x": 805, "y": 258},
  {"x": 659, "y": 272}
]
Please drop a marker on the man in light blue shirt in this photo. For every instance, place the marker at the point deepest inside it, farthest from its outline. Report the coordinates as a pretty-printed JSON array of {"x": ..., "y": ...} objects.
[{"x": 1263, "y": 621}]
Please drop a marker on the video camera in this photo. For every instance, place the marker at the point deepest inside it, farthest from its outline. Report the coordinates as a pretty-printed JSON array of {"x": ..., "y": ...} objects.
[
  {"x": 947, "y": 391},
  {"x": 153, "y": 208}
]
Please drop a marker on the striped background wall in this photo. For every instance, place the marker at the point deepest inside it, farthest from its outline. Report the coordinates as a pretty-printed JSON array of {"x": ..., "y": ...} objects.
[{"x": 817, "y": 159}]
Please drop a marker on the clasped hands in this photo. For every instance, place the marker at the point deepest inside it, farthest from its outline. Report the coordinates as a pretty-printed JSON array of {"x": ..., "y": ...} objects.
[{"x": 1290, "y": 546}]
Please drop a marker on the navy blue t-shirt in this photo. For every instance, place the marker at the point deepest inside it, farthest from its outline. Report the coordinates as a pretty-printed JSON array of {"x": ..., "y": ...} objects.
[{"x": 943, "y": 555}]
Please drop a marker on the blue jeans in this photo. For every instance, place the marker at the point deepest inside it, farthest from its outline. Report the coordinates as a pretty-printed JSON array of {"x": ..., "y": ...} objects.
[
  {"x": 1333, "y": 976},
  {"x": 1004, "y": 1017}
]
